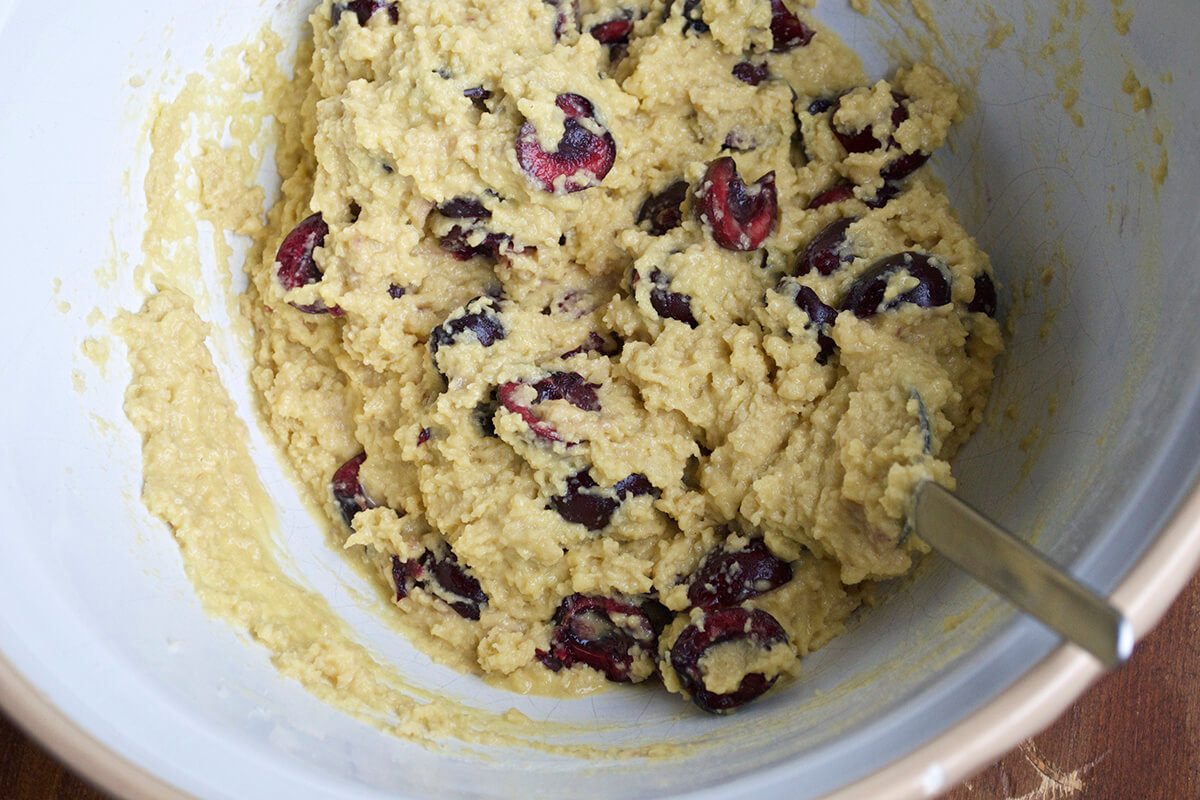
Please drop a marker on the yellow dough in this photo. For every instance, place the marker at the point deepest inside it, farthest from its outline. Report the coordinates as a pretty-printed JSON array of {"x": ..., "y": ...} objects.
[{"x": 554, "y": 398}]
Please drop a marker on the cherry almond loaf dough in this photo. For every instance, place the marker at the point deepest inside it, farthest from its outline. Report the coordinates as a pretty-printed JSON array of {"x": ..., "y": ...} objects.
[{"x": 617, "y": 335}]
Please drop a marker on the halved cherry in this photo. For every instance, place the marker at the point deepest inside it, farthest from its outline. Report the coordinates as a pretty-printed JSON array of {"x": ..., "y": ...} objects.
[
  {"x": 589, "y": 505},
  {"x": 668, "y": 304},
  {"x": 787, "y": 31},
  {"x": 509, "y": 395},
  {"x": 739, "y": 217},
  {"x": 364, "y": 10},
  {"x": 443, "y": 577},
  {"x": 729, "y": 577},
  {"x": 295, "y": 265},
  {"x": 755, "y": 626},
  {"x": 751, "y": 73},
  {"x": 864, "y": 141},
  {"x": 826, "y": 252},
  {"x": 614, "y": 34},
  {"x": 837, "y": 193},
  {"x": 348, "y": 490},
  {"x": 663, "y": 211},
  {"x": 582, "y": 157},
  {"x": 481, "y": 318},
  {"x": 607, "y": 634},
  {"x": 866, "y": 296},
  {"x": 569, "y": 386}
]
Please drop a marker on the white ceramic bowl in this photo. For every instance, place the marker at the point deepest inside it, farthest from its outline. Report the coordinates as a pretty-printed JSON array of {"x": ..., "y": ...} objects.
[{"x": 1091, "y": 447}]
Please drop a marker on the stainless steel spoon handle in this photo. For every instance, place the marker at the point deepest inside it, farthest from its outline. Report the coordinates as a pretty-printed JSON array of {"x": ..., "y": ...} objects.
[{"x": 1020, "y": 574}]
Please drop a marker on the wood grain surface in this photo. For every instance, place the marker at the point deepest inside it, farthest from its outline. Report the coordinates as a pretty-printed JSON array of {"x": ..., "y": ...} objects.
[{"x": 1134, "y": 736}]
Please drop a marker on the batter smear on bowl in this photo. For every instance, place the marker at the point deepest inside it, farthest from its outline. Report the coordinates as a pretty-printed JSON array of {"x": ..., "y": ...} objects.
[{"x": 616, "y": 335}]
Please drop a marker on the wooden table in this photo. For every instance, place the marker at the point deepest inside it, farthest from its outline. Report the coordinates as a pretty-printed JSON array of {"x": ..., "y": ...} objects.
[{"x": 1133, "y": 736}]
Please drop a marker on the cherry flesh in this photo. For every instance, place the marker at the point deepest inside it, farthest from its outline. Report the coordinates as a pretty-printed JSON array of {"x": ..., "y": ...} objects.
[
  {"x": 606, "y": 634},
  {"x": 582, "y": 157},
  {"x": 663, "y": 211},
  {"x": 440, "y": 576},
  {"x": 717, "y": 627},
  {"x": 295, "y": 264},
  {"x": 865, "y": 297},
  {"x": 348, "y": 490},
  {"x": 826, "y": 253},
  {"x": 727, "y": 578},
  {"x": 787, "y": 31},
  {"x": 584, "y": 503},
  {"x": 739, "y": 219}
]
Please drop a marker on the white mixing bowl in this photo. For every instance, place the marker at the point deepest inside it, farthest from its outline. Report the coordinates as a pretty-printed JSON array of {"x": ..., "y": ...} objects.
[{"x": 1092, "y": 448}]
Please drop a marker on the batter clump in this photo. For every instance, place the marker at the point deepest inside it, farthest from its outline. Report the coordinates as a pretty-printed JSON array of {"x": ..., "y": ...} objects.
[{"x": 617, "y": 335}]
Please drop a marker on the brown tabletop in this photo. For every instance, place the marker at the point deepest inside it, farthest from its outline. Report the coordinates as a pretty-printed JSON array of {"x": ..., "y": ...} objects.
[{"x": 1133, "y": 736}]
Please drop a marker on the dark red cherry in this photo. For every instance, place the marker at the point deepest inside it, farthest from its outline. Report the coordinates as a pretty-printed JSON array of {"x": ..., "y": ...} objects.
[
  {"x": 663, "y": 211},
  {"x": 295, "y": 265},
  {"x": 443, "y": 577},
  {"x": 822, "y": 104},
  {"x": 478, "y": 97},
  {"x": 738, "y": 218},
  {"x": 348, "y": 490},
  {"x": 834, "y": 194},
  {"x": 729, "y": 577},
  {"x": 787, "y": 31},
  {"x": 864, "y": 141},
  {"x": 751, "y": 73},
  {"x": 606, "y": 634},
  {"x": 509, "y": 395},
  {"x": 984, "y": 301},
  {"x": 635, "y": 485},
  {"x": 845, "y": 191},
  {"x": 668, "y": 304},
  {"x": 820, "y": 318},
  {"x": 587, "y": 504},
  {"x": 865, "y": 297},
  {"x": 693, "y": 19},
  {"x": 364, "y": 10},
  {"x": 464, "y": 208},
  {"x": 582, "y": 157},
  {"x": 481, "y": 318},
  {"x": 569, "y": 386},
  {"x": 905, "y": 165},
  {"x": 826, "y": 253},
  {"x": 584, "y": 504},
  {"x": 457, "y": 242},
  {"x": 614, "y": 31},
  {"x": 718, "y": 627}
]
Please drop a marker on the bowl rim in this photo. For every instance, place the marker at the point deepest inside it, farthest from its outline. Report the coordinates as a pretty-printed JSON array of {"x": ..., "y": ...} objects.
[{"x": 1031, "y": 704}]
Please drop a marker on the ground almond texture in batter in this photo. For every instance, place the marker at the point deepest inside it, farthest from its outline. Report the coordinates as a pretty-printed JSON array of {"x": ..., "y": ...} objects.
[{"x": 617, "y": 335}]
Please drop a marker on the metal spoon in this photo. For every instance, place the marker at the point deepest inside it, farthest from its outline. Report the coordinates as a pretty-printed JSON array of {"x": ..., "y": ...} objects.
[{"x": 1020, "y": 574}]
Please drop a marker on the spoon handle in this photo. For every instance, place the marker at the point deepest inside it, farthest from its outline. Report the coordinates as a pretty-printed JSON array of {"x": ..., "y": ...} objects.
[{"x": 1020, "y": 574}]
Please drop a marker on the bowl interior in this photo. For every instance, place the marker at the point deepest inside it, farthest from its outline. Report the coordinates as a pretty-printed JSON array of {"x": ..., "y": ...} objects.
[{"x": 1079, "y": 197}]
